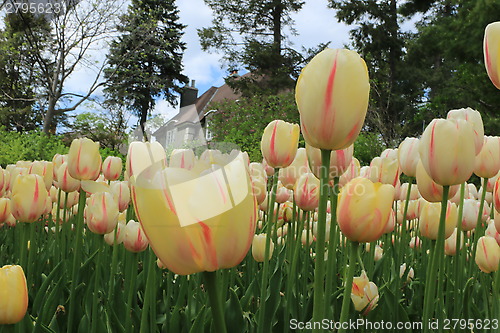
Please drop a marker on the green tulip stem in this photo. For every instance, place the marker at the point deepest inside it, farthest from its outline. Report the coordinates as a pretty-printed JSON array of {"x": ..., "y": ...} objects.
[
  {"x": 479, "y": 230},
  {"x": 402, "y": 240},
  {"x": 95, "y": 312},
  {"x": 215, "y": 301},
  {"x": 114, "y": 259},
  {"x": 319, "y": 268},
  {"x": 149, "y": 265},
  {"x": 265, "y": 269},
  {"x": 57, "y": 225},
  {"x": 76, "y": 260},
  {"x": 332, "y": 245},
  {"x": 496, "y": 291},
  {"x": 437, "y": 252},
  {"x": 31, "y": 252},
  {"x": 458, "y": 254},
  {"x": 346, "y": 302},
  {"x": 130, "y": 279}
]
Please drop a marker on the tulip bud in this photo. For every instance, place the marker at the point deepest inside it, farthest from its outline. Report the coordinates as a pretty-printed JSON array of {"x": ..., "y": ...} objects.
[
  {"x": 385, "y": 170},
  {"x": 101, "y": 213},
  {"x": 340, "y": 160},
  {"x": 491, "y": 49},
  {"x": 363, "y": 209},
  {"x": 135, "y": 239},
  {"x": 332, "y": 97},
  {"x": 472, "y": 117},
  {"x": 57, "y": 161},
  {"x": 109, "y": 238},
  {"x": 469, "y": 216},
  {"x": 429, "y": 189},
  {"x": 64, "y": 180},
  {"x": 364, "y": 294},
  {"x": 45, "y": 170},
  {"x": 408, "y": 156},
  {"x": 182, "y": 158},
  {"x": 279, "y": 143},
  {"x": 307, "y": 192},
  {"x": 429, "y": 219},
  {"x": 289, "y": 175},
  {"x": 112, "y": 168},
  {"x": 259, "y": 247},
  {"x": 379, "y": 252},
  {"x": 450, "y": 243},
  {"x": 487, "y": 254},
  {"x": 487, "y": 162},
  {"x": 307, "y": 237},
  {"x": 351, "y": 172},
  {"x": 5, "y": 210},
  {"x": 447, "y": 151},
  {"x": 14, "y": 292},
  {"x": 492, "y": 231},
  {"x": 121, "y": 192},
  {"x": 402, "y": 270},
  {"x": 28, "y": 198},
  {"x": 84, "y": 159}
]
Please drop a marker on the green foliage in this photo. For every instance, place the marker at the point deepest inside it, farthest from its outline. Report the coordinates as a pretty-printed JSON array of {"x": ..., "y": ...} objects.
[
  {"x": 29, "y": 146},
  {"x": 242, "y": 122},
  {"x": 367, "y": 146}
]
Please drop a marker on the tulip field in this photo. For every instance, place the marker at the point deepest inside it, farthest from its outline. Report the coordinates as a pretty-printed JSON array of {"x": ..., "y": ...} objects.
[{"x": 306, "y": 240}]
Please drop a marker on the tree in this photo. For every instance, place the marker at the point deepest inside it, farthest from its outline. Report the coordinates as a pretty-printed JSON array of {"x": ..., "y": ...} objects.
[
  {"x": 19, "y": 74},
  {"x": 250, "y": 34},
  {"x": 78, "y": 28},
  {"x": 379, "y": 39},
  {"x": 146, "y": 59}
]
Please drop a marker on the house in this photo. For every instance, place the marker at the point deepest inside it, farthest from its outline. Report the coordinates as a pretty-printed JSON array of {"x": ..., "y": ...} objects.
[{"x": 190, "y": 127}]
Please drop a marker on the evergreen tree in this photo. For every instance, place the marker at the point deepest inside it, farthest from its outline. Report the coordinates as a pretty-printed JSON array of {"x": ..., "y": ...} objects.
[
  {"x": 145, "y": 61},
  {"x": 250, "y": 34}
]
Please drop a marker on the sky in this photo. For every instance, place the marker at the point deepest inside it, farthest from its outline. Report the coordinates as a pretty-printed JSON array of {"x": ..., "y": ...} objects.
[{"x": 315, "y": 24}]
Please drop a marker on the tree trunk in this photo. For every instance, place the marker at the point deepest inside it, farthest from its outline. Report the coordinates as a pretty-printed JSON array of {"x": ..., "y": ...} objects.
[{"x": 48, "y": 119}]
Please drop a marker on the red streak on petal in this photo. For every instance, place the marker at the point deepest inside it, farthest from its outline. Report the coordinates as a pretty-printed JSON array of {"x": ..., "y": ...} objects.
[
  {"x": 194, "y": 253},
  {"x": 221, "y": 190},
  {"x": 432, "y": 152},
  {"x": 272, "y": 144},
  {"x": 329, "y": 86},
  {"x": 182, "y": 160},
  {"x": 208, "y": 245}
]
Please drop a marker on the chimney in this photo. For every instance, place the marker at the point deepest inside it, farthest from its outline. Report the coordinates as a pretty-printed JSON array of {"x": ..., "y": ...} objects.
[{"x": 189, "y": 94}]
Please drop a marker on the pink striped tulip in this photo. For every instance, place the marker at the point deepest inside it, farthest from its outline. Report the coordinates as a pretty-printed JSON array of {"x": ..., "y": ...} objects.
[
  {"x": 450, "y": 243},
  {"x": 289, "y": 175},
  {"x": 496, "y": 195},
  {"x": 408, "y": 156},
  {"x": 101, "y": 213},
  {"x": 5, "y": 210},
  {"x": 447, "y": 151},
  {"x": 491, "y": 48},
  {"x": 28, "y": 200},
  {"x": 64, "y": 180},
  {"x": 385, "y": 170},
  {"x": 44, "y": 169},
  {"x": 84, "y": 159},
  {"x": 279, "y": 143},
  {"x": 197, "y": 220},
  {"x": 135, "y": 239},
  {"x": 352, "y": 172},
  {"x": 14, "y": 294},
  {"x": 340, "y": 160},
  {"x": 364, "y": 294},
  {"x": 487, "y": 163},
  {"x": 474, "y": 118},
  {"x": 121, "y": 192},
  {"x": 307, "y": 192},
  {"x": 332, "y": 97},
  {"x": 112, "y": 167},
  {"x": 487, "y": 254},
  {"x": 364, "y": 209},
  {"x": 429, "y": 189}
]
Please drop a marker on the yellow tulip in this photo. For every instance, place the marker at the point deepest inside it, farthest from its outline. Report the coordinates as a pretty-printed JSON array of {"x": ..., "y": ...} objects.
[
  {"x": 352, "y": 172},
  {"x": 408, "y": 156},
  {"x": 84, "y": 159},
  {"x": 487, "y": 163},
  {"x": 142, "y": 155},
  {"x": 279, "y": 143},
  {"x": 364, "y": 294},
  {"x": 197, "y": 220},
  {"x": 57, "y": 161},
  {"x": 385, "y": 170},
  {"x": 429, "y": 219},
  {"x": 307, "y": 191},
  {"x": 28, "y": 200},
  {"x": 447, "y": 151},
  {"x": 112, "y": 168},
  {"x": 13, "y": 294},
  {"x": 44, "y": 169},
  {"x": 474, "y": 118},
  {"x": 5, "y": 210},
  {"x": 289, "y": 175},
  {"x": 259, "y": 247},
  {"x": 450, "y": 243},
  {"x": 332, "y": 97},
  {"x": 101, "y": 213},
  {"x": 363, "y": 209},
  {"x": 429, "y": 189},
  {"x": 121, "y": 192},
  {"x": 340, "y": 160},
  {"x": 64, "y": 180},
  {"x": 487, "y": 254},
  {"x": 491, "y": 48}
]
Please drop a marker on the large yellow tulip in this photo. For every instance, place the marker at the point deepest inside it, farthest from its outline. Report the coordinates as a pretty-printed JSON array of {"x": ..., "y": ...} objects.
[
  {"x": 279, "y": 143},
  {"x": 28, "y": 200},
  {"x": 332, "y": 96},
  {"x": 84, "y": 159},
  {"x": 491, "y": 46},
  {"x": 13, "y": 294}
]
